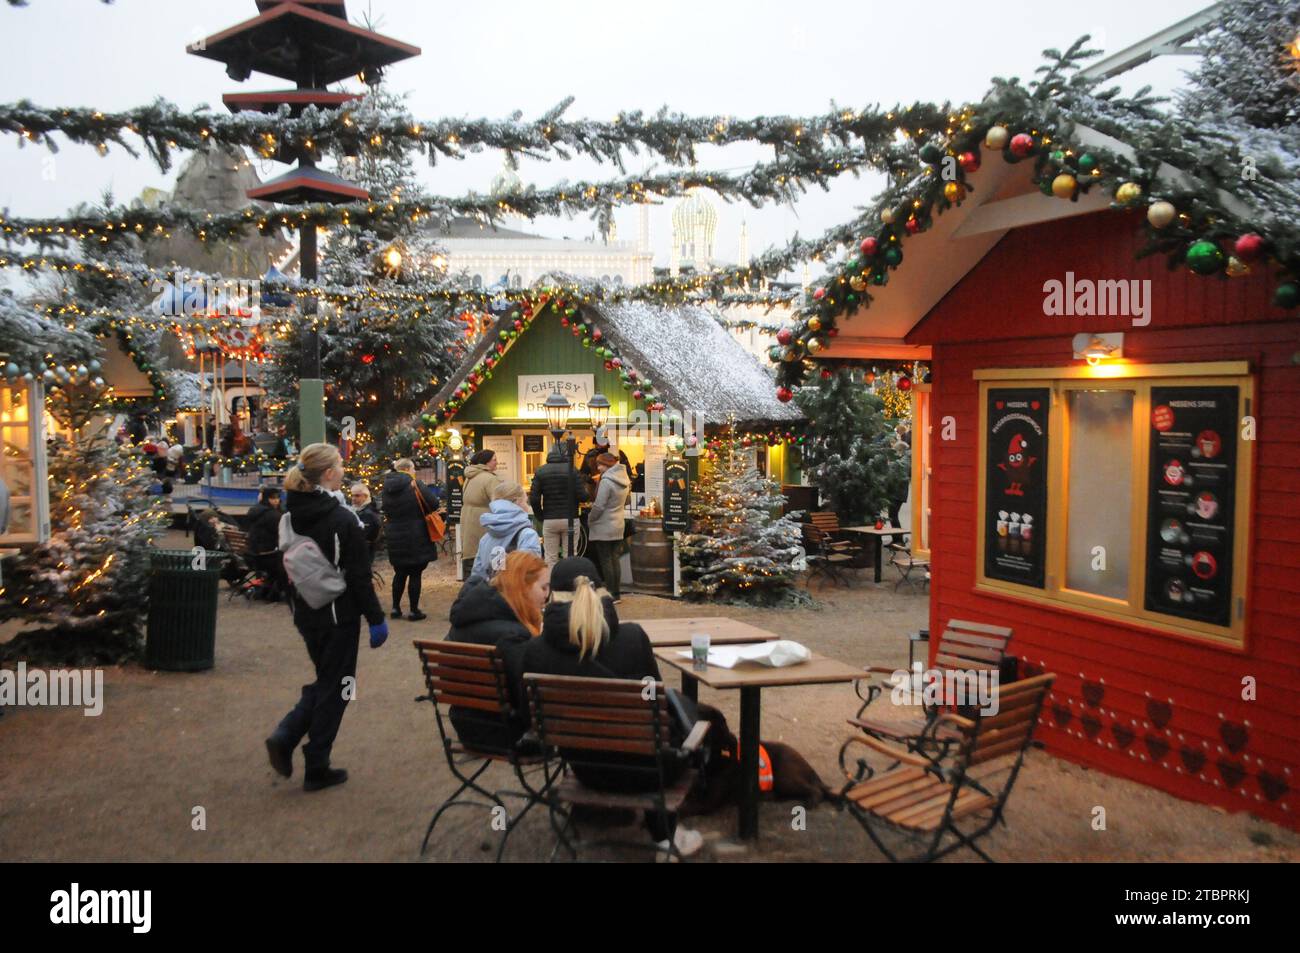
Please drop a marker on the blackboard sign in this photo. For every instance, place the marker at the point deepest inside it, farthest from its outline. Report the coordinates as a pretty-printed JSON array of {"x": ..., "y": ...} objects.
[
  {"x": 1192, "y": 486},
  {"x": 1015, "y": 485},
  {"x": 677, "y": 496},
  {"x": 455, "y": 490},
  {"x": 534, "y": 443}
]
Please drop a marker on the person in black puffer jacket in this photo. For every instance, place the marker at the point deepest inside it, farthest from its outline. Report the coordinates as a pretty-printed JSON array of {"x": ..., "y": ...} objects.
[
  {"x": 410, "y": 549},
  {"x": 555, "y": 487},
  {"x": 506, "y": 613},
  {"x": 263, "y": 522},
  {"x": 332, "y": 630},
  {"x": 368, "y": 513},
  {"x": 582, "y": 636}
]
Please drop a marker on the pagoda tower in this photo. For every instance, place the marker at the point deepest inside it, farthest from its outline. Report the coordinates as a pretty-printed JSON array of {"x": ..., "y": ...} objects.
[{"x": 312, "y": 44}]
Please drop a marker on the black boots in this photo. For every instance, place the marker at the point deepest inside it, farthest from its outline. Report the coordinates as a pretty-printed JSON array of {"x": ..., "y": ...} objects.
[
  {"x": 415, "y": 615},
  {"x": 318, "y": 779},
  {"x": 281, "y": 754}
]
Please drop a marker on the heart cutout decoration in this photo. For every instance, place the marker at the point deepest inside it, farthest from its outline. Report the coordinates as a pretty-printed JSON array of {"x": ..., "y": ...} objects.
[
  {"x": 1123, "y": 734},
  {"x": 1062, "y": 715},
  {"x": 1231, "y": 772},
  {"x": 1160, "y": 713},
  {"x": 1273, "y": 785},
  {"x": 1193, "y": 759},
  {"x": 1157, "y": 747},
  {"x": 1234, "y": 735},
  {"x": 1093, "y": 693},
  {"x": 1091, "y": 725}
]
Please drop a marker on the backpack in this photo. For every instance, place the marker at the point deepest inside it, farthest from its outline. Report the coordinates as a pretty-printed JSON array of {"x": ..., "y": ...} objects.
[
  {"x": 497, "y": 560},
  {"x": 317, "y": 581}
]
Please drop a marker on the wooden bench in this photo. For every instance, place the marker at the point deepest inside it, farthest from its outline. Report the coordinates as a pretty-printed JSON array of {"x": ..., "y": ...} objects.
[
  {"x": 581, "y": 721},
  {"x": 473, "y": 678},
  {"x": 963, "y": 646},
  {"x": 929, "y": 800}
]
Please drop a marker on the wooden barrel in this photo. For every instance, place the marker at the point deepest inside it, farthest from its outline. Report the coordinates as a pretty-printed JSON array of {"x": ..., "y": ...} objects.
[{"x": 652, "y": 556}]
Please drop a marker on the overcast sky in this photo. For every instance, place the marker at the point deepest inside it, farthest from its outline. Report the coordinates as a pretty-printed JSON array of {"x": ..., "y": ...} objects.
[{"x": 492, "y": 58}]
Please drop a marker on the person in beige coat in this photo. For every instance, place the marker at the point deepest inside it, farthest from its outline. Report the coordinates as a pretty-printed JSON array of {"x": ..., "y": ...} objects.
[{"x": 480, "y": 480}]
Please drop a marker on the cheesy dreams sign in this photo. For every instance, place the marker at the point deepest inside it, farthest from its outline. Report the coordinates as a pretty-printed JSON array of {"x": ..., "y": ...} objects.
[{"x": 534, "y": 389}]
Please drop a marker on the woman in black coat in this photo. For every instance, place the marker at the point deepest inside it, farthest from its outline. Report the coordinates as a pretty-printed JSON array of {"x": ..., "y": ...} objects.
[
  {"x": 597, "y": 645},
  {"x": 409, "y": 547},
  {"x": 506, "y": 613}
]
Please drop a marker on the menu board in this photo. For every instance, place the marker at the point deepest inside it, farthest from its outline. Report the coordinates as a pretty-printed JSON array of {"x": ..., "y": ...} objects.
[
  {"x": 1192, "y": 484},
  {"x": 677, "y": 496},
  {"x": 1015, "y": 484},
  {"x": 455, "y": 489}
]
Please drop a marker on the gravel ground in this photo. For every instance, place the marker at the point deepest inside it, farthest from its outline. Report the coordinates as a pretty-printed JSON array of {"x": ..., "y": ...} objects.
[{"x": 124, "y": 786}]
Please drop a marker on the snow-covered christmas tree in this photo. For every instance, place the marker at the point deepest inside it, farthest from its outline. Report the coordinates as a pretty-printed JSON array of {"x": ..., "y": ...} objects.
[
  {"x": 740, "y": 548},
  {"x": 84, "y": 589},
  {"x": 851, "y": 451}
]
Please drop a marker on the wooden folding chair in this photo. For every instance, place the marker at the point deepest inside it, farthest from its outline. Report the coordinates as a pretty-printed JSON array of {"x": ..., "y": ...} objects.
[
  {"x": 612, "y": 724},
  {"x": 473, "y": 677},
  {"x": 929, "y": 800},
  {"x": 963, "y": 647},
  {"x": 824, "y": 556},
  {"x": 901, "y": 558}
]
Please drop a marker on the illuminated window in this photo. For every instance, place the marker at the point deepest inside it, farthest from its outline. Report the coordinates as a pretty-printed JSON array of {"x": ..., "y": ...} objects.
[
  {"x": 1121, "y": 491},
  {"x": 22, "y": 466}
]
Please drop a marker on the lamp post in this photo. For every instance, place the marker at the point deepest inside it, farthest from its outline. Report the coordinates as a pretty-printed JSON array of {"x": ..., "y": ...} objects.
[{"x": 557, "y": 408}]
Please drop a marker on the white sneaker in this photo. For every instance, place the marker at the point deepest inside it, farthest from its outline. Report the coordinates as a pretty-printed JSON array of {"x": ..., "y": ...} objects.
[{"x": 688, "y": 843}]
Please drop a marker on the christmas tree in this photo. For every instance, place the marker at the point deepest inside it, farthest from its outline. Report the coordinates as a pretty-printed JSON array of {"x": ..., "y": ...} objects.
[
  {"x": 851, "y": 451},
  {"x": 86, "y": 586},
  {"x": 1248, "y": 66},
  {"x": 383, "y": 359},
  {"x": 740, "y": 548}
]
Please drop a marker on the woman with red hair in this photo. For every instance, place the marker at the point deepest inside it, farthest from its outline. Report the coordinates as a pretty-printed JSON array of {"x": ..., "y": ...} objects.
[{"x": 507, "y": 613}]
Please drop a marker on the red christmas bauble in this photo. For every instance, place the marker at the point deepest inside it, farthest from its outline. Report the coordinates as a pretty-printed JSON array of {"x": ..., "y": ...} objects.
[
  {"x": 783, "y": 394},
  {"x": 969, "y": 161},
  {"x": 826, "y": 374},
  {"x": 904, "y": 383},
  {"x": 833, "y": 332},
  {"x": 1249, "y": 247},
  {"x": 869, "y": 246},
  {"x": 519, "y": 325},
  {"x": 617, "y": 362},
  {"x": 784, "y": 336},
  {"x": 1022, "y": 144},
  {"x": 912, "y": 226},
  {"x": 609, "y": 365},
  {"x": 819, "y": 294},
  {"x": 367, "y": 359},
  {"x": 597, "y": 334},
  {"x": 564, "y": 322}
]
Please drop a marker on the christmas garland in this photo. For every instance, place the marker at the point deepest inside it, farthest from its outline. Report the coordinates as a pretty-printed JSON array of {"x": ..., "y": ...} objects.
[
  {"x": 779, "y": 181},
  {"x": 1188, "y": 220},
  {"x": 163, "y": 127}
]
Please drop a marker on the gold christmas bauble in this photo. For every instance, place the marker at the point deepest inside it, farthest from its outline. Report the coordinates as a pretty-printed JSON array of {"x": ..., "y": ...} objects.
[
  {"x": 887, "y": 216},
  {"x": 954, "y": 191},
  {"x": 1236, "y": 268},
  {"x": 814, "y": 323},
  {"x": 1063, "y": 186},
  {"x": 1161, "y": 214},
  {"x": 814, "y": 345},
  {"x": 858, "y": 283},
  {"x": 1128, "y": 193},
  {"x": 996, "y": 138}
]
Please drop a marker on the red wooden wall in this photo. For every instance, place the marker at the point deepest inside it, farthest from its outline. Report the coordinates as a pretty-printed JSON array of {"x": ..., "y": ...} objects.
[{"x": 1152, "y": 707}]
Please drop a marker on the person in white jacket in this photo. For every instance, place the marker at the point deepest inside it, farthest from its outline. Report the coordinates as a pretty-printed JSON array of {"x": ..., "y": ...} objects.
[{"x": 605, "y": 520}]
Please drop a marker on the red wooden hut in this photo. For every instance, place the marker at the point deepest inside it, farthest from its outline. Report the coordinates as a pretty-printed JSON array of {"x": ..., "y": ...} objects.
[{"x": 1113, "y": 479}]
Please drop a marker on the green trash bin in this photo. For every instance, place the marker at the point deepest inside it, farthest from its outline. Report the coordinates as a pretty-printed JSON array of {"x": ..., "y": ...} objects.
[{"x": 182, "y": 632}]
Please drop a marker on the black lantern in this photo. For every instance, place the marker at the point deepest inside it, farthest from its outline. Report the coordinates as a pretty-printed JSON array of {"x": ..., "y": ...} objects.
[{"x": 598, "y": 410}]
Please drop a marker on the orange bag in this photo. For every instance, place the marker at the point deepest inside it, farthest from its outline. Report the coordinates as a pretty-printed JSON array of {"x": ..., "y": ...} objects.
[{"x": 432, "y": 521}]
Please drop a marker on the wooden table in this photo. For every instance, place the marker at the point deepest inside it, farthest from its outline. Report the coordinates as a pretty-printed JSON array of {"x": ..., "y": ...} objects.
[
  {"x": 721, "y": 630},
  {"x": 751, "y": 678},
  {"x": 876, "y": 535}
]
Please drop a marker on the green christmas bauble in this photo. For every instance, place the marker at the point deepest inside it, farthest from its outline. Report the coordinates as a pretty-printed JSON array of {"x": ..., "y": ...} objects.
[
  {"x": 1058, "y": 157},
  {"x": 931, "y": 153},
  {"x": 1087, "y": 163},
  {"x": 879, "y": 278},
  {"x": 854, "y": 265},
  {"x": 586, "y": 342},
  {"x": 503, "y": 335},
  {"x": 893, "y": 256},
  {"x": 774, "y": 353},
  {"x": 1205, "y": 258},
  {"x": 1287, "y": 295}
]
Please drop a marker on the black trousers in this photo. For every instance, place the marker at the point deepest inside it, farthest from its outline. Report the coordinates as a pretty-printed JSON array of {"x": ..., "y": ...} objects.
[
  {"x": 408, "y": 578},
  {"x": 319, "y": 712}
]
